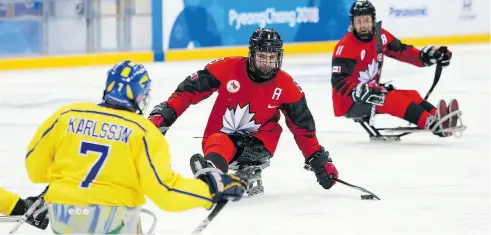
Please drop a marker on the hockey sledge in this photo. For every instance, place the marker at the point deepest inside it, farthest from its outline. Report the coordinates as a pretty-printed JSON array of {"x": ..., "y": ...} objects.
[
  {"x": 395, "y": 134},
  {"x": 250, "y": 171},
  {"x": 253, "y": 174},
  {"x": 20, "y": 219},
  {"x": 365, "y": 117}
]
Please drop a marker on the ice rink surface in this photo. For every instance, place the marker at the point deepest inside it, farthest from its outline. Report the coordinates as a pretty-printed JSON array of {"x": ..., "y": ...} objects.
[{"x": 428, "y": 185}]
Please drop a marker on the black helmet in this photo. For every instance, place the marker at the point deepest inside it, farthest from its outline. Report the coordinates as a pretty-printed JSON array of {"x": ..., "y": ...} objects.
[
  {"x": 362, "y": 7},
  {"x": 264, "y": 67}
]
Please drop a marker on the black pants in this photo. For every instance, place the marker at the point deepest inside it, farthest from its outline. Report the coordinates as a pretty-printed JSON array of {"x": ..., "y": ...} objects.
[{"x": 250, "y": 150}]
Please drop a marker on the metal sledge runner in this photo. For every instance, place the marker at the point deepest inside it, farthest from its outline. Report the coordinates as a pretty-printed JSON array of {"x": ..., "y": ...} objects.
[
  {"x": 20, "y": 219},
  {"x": 398, "y": 132},
  {"x": 252, "y": 172}
]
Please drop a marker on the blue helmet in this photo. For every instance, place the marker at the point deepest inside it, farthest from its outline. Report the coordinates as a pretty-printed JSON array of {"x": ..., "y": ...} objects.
[{"x": 128, "y": 86}]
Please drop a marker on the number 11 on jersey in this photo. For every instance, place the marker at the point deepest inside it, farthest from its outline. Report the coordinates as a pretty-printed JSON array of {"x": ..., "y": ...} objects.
[{"x": 103, "y": 151}]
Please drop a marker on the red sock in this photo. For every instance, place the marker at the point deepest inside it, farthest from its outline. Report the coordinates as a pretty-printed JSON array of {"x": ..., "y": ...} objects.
[{"x": 422, "y": 120}]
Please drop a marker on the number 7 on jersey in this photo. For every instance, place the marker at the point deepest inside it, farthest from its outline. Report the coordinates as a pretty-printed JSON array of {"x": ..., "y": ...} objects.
[{"x": 103, "y": 150}]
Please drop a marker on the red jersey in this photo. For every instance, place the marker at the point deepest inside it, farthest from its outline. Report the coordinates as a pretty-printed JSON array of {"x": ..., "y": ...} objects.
[
  {"x": 245, "y": 105},
  {"x": 355, "y": 61}
]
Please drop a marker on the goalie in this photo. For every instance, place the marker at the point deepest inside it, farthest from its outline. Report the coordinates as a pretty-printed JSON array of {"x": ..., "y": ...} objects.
[{"x": 355, "y": 68}]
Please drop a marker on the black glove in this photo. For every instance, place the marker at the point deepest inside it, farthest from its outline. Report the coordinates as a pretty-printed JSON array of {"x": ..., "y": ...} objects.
[
  {"x": 41, "y": 221},
  {"x": 321, "y": 164},
  {"x": 163, "y": 117},
  {"x": 223, "y": 186},
  {"x": 364, "y": 93},
  {"x": 431, "y": 55}
]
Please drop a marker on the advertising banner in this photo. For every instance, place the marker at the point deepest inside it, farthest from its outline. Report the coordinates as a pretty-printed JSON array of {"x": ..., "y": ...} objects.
[
  {"x": 423, "y": 18},
  {"x": 201, "y": 23},
  {"x": 20, "y": 27}
]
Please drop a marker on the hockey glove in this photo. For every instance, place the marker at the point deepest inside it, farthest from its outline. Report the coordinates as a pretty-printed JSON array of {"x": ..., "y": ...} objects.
[
  {"x": 321, "y": 164},
  {"x": 223, "y": 186},
  {"x": 367, "y": 94},
  {"x": 41, "y": 221},
  {"x": 431, "y": 55},
  {"x": 163, "y": 117}
]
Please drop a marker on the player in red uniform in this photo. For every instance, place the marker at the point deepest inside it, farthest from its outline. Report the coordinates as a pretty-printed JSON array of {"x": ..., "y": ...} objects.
[
  {"x": 243, "y": 130},
  {"x": 355, "y": 67}
]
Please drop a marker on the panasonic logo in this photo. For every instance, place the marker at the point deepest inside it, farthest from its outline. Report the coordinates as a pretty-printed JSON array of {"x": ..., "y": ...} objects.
[{"x": 408, "y": 12}]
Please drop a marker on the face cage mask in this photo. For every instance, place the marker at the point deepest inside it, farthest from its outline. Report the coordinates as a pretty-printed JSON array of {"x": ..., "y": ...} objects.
[
  {"x": 142, "y": 105},
  {"x": 263, "y": 68}
]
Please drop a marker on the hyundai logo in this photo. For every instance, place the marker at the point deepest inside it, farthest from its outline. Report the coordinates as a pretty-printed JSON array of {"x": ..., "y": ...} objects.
[{"x": 467, "y": 5}]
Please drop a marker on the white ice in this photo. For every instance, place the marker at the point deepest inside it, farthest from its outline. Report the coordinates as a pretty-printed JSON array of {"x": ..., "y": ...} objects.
[{"x": 428, "y": 185}]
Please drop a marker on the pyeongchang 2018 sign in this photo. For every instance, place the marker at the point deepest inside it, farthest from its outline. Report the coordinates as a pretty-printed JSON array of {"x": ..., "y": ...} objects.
[
  {"x": 271, "y": 16},
  {"x": 195, "y": 23}
]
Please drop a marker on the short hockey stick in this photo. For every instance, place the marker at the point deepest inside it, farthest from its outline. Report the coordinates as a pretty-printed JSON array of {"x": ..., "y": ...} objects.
[
  {"x": 220, "y": 205},
  {"x": 372, "y": 195},
  {"x": 438, "y": 73},
  {"x": 380, "y": 59},
  {"x": 30, "y": 212}
]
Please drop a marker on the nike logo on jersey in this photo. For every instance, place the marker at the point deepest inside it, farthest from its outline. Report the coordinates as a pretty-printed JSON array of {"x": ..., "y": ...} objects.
[{"x": 273, "y": 106}]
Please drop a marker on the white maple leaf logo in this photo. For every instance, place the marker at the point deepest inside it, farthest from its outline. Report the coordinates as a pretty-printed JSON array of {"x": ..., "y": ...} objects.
[
  {"x": 368, "y": 74},
  {"x": 239, "y": 120}
]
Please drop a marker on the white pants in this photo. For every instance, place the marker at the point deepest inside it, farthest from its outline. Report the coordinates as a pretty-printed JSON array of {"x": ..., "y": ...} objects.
[{"x": 93, "y": 219}]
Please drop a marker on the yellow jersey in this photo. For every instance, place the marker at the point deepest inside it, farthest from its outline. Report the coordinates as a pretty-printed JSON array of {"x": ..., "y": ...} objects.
[
  {"x": 8, "y": 201},
  {"x": 92, "y": 154}
]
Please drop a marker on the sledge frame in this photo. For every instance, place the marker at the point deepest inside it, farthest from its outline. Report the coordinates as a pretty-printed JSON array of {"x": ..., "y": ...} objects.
[
  {"x": 398, "y": 132},
  {"x": 22, "y": 218}
]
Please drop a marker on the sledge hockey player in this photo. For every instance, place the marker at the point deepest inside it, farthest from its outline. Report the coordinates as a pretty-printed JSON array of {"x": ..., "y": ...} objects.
[
  {"x": 101, "y": 160},
  {"x": 355, "y": 69},
  {"x": 11, "y": 204},
  {"x": 243, "y": 131}
]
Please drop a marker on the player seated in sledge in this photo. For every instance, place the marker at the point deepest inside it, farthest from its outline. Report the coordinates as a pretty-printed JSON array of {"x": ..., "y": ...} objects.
[
  {"x": 243, "y": 130},
  {"x": 101, "y": 160},
  {"x": 355, "y": 70}
]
